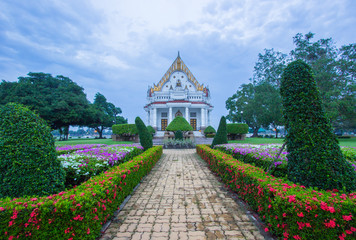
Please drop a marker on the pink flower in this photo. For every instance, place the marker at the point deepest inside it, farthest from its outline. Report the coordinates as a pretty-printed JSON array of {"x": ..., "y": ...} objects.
[
  {"x": 330, "y": 224},
  {"x": 300, "y": 214},
  {"x": 88, "y": 231},
  {"x": 2, "y": 209},
  {"x": 266, "y": 229},
  {"x": 297, "y": 237},
  {"x": 284, "y": 214},
  {"x": 347, "y": 218}
]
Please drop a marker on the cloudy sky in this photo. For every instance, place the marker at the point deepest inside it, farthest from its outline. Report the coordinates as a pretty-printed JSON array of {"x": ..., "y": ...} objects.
[{"x": 120, "y": 47}]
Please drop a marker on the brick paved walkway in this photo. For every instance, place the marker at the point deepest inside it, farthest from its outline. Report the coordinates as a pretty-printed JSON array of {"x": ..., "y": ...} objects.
[{"x": 181, "y": 199}]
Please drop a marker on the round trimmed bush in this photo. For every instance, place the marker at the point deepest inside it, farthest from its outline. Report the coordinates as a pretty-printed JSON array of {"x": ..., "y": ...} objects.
[
  {"x": 145, "y": 136},
  {"x": 221, "y": 135},
  {"x": 178, "y": 135},
  {"x": 315, "y": 158},
  {"x": 28, "y": 158},
  {"x": 208, "y": 130},
  {"x": 179, "y": 123}
]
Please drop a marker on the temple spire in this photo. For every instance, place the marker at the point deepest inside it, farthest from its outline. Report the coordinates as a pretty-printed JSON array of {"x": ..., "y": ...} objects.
[{"x": 178, "y": 54}]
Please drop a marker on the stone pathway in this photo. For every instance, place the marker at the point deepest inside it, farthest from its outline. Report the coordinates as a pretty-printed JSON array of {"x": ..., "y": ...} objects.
[{"x": 182, "y": 199}]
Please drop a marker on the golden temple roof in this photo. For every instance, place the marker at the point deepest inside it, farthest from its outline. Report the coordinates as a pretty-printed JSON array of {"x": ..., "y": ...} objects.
[{"x": 177, "y": 65}]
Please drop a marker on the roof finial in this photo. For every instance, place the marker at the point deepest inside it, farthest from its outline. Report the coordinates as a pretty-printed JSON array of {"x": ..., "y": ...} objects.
[{"x": 178, "y": 54}]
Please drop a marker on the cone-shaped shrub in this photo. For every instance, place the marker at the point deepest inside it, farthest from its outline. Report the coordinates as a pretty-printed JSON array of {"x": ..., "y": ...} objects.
[
  {"x": 315, "y": 158},
  {"x": 145, "y": 136},
  {"x": 221, "y": 135},
  {"x": 179, "y": 123},
  {"x": 28, "y": 158},
  {"x": 178, "y": 135}
]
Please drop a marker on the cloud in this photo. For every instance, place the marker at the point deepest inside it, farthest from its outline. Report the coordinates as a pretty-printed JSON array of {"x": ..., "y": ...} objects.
[{"x": 118, "y": 48}]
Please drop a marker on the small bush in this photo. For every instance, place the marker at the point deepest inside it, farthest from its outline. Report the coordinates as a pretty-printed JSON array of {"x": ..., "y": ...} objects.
[
  {"x": 151, "y": 130},
  {"x": 178, "y": 135},
  {"x": 145, "y": 136},
  {"x": 28, "y": 158},
  {"x": 179, "y": 123},
  {"x": 124, "y": 129},
  {"x": 209, "y": 129},
  {"x": 221, "y": 135}
]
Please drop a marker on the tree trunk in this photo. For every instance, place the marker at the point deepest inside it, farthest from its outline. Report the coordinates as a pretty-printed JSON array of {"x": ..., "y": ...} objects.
[
  {"x": 100, "y": 131},
  {"x": 276, "y": 132},
  {"x": 255, "y": 132},
  {"x": 66, "y": 132}
]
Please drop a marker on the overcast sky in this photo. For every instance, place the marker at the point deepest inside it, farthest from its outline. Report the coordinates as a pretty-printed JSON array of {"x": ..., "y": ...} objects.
[{"x": 120, "y": 47}]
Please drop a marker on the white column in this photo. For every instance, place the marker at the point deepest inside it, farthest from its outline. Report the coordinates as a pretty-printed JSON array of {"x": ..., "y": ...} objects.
[
  {"x": 154, "y": 118},
  {"x": 206, "y": 117},
  {"x": 170, "y": 115},
  {"x": 209, "y": 118},
  {"x": 187, "y": 114},
  {"x": 148, "y": 117},
  {"x": 202, "y": 118}
]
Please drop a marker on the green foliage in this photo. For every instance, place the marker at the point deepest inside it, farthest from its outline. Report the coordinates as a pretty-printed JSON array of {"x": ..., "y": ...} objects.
[
  {"x": 28, "y": 159},
  {"x": 178, "y": 135},
  {"x": 314, "y": 159},
  {"x": 256, "y": 105},
  {"x": 179, "y": 123},
  {"x": 58, "y": 100},
  {"x": 221, "y": 135},
  {"x": 151, "y": 130},
  {"x": 95, "y": 202},
  {"x": 283, "y": 203},
  {"x": 209, "y": 129},
  {"x": 103, "y": 114},
  {"x": 124, "y": 129},
  {"x": 145, "y": 136},
  {"x": 237, "y": 128}
]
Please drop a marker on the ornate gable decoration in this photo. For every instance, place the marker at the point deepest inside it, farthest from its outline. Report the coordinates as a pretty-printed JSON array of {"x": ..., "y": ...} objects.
[{"x": 178, "y": 65}]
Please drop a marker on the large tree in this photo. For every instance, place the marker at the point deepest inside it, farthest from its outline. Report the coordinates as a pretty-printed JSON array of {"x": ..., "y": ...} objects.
[
  {"x": 256, "y": 105},
  {"x": 103, "y": 114},
  {"x": 58, "y": 100},
  {"x": 334, "y": 72}
]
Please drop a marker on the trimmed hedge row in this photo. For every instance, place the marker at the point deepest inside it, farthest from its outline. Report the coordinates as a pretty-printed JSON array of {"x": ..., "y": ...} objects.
[
  {"x": 237, "y": 128},
  {"x": 78, "y": 213},
  {"x": 290, "y": 211},
  {"x": 124, "y": 129}
]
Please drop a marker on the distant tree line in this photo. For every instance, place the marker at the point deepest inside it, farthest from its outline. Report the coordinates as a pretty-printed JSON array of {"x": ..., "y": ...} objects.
[
  {"x": 259, "y": 104},
  {"x": 61, "y": 102}
]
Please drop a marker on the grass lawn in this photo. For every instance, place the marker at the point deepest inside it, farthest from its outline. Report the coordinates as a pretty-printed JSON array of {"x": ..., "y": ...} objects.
[
  {"x": 346, "y": 142},
  {"x": 108, "y": 141}
]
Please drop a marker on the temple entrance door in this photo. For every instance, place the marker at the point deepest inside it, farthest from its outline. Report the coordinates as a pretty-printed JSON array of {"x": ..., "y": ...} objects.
[
  {"x": 193, "y": 123},
  {"x": 164, "y": 124}
]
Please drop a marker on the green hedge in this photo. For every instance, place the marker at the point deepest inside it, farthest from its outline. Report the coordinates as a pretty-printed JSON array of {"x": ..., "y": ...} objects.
[
  {"x": 236, "y": 128},
  {"x": 78, "y": 213},
  {"x": 289, "y": 210},
  {"x": 209, "y": 129},
  {"x": 151, "y": 130},
  {"x": 145, "y": 136},
  {"x": 124, "y": 129},
  {"x": 221, "y": 135}
]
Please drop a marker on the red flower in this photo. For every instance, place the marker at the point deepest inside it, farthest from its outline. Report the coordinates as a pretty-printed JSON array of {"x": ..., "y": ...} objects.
[
  {"x": 347, "y": 218},
  {"x": 330, "y": 224},
  {"x": 266, "y": 229},
  {"x": 297, "y": 237},
  {"x": 300, "y": 214},
  {"x": 88, "y": 231}
]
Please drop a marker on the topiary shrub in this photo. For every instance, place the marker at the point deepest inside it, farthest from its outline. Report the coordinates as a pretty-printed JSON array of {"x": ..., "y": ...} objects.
[
  {"x": 178, "y": 135},
  {"x": 151, "y": 130},
  {"x": 179, "y": 123},
  {"x": 314, "y": 158},
  {"x": 145, "y": 136},
  {"x": 209, "y": 131},
  {"x": 28, "y": 158},
  {"x": 221, "y": 135}
]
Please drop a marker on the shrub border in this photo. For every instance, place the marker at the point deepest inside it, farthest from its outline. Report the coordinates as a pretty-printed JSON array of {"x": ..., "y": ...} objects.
[
  {"x": 78, "y": 213},
  {"x": 289, "y": 210}
]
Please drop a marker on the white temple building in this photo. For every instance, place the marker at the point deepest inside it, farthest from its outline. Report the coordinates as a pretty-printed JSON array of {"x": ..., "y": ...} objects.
[{"x": 178, "y": 93}]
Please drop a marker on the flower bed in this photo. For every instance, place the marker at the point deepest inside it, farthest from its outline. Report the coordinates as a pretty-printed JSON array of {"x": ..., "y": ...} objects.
[
  {"x": 264, "y": 154},
  {"x": 90, "y": 160},
  {"x": 78, "y": 213},
  {"x": 68, "y": 149},
  {"x": 290, "y": 211}
]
